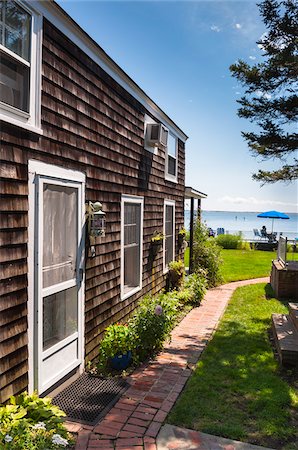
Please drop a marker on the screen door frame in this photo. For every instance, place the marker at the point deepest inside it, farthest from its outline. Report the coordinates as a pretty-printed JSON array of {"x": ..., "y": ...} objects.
[{"x": 40, "y": 173}]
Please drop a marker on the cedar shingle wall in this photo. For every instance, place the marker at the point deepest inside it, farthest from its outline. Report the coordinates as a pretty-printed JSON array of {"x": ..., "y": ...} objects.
[{"x": 93, "y": 125}]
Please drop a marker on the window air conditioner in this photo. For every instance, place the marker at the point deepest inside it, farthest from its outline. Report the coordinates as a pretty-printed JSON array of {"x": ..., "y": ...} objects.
[{"x": 156, "y": 135}]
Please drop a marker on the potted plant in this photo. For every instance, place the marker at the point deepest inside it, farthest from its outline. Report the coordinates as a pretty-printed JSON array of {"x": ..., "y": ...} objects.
[
  {"x": 156, "y": 241},
  {"x": 115, "y": 348},
  {"x": 157, "y": 238},
  {"x": 181, "y": 235},
  {"x": 176, "y": 274}
]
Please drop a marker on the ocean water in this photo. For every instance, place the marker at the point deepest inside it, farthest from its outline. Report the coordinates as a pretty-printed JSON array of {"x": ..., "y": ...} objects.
[{"x": 235, "y": 221}]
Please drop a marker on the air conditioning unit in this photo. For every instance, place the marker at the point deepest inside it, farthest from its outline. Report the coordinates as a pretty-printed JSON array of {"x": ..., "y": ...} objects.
[{"x": 156, "y": 135}]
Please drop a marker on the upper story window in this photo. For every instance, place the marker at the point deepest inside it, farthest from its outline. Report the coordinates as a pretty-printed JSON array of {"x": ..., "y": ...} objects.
[
  {"x": 171, "y": 158},
  {"x": 20, "y": 28}
]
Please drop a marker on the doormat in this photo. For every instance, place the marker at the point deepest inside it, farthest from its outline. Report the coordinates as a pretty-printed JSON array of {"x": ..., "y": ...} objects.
[{"x": 88, "y": 399}]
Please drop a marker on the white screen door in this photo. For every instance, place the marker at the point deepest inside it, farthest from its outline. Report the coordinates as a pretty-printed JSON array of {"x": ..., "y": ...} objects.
[{"x": 58, "y": 294}]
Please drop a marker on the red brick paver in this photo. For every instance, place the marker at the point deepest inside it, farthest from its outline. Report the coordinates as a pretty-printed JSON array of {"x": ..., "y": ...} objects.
[{"x": 135, "y": 420}]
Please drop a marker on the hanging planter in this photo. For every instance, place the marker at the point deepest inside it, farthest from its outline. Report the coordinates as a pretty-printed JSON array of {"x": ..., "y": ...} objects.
[
  {"x": 156, "y": 242},
  {"x": 181, "y": 236}
]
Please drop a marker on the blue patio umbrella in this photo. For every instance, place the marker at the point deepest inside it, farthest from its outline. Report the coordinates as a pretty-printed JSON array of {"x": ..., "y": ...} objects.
[{"x": 273, "y": 215}]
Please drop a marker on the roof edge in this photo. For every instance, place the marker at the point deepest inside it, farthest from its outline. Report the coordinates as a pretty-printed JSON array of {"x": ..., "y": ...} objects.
[{"x": 65, "y": 23}]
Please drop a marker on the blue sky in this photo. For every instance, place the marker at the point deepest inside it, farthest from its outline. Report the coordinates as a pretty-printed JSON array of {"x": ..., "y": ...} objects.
[{"x": 179, "y": 53}]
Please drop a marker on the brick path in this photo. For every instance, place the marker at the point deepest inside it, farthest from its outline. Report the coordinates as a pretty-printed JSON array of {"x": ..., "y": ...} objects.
[{"x": 135, "y": 420}]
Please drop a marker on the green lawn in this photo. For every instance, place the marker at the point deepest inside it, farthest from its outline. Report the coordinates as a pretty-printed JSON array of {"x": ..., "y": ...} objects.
[
  {"x": 244, "y": 265},
  {"x": 237, "y": 390}
]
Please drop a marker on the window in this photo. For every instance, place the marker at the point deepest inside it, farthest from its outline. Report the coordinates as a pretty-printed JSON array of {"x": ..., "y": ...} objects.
[
  {"x": 169, "y": 232},
  {"x": 131, "y": 245},
  {"x": 19, "y": 67},
  {"x": 171, "y": 158}
]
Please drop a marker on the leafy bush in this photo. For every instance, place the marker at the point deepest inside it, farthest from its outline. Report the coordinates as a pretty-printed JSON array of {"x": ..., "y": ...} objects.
[
  {"x": 176, "y": 274},
  {"x": 28, "y": 422},
  {"x": 117, "y": 341},
  {"x": 229, "y": 241},
  {"x": 206, "y": 255},
  {"x": 197, "y": 284},
  {"x": 152, "y": 323}
]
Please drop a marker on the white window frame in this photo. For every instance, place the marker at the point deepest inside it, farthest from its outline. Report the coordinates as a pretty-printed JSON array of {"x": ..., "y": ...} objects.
[
  {"x": 140, "y": 201},
  {"x": 168, "y": 176},
  {"x": 150, "y": 149},
  {"x": 168, "y": 203},
  {"x": 31, "y": 120}
]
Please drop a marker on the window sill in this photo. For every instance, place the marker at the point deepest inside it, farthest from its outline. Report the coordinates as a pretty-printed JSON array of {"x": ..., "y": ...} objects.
[
  {"x": 171, "y": 179},
  {"x": 126, "y": 295},
  {"x": 20, "y": 124}
]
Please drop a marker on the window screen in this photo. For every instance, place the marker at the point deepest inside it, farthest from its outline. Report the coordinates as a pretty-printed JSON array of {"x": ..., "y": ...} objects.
[
  {"x": 132, "y": 246},
  {"x": 169, "y": 234},
  {"x": 171, "y": 155}
]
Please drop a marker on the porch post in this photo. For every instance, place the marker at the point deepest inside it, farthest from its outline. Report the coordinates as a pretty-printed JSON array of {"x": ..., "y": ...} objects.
[{"x": 199, "y": 210}]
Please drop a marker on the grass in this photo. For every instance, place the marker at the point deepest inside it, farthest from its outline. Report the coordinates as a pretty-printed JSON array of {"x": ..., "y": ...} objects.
[
  {"x": 237, "y": 390},
  {"x": 244, "y": 265}
]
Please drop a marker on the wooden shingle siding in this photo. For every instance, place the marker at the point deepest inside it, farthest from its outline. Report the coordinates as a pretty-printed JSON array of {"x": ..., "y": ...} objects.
[{"x": 90, "y": 124}]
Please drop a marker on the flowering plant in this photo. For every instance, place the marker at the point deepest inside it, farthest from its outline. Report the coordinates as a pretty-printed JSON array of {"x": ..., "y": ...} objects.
[
  {"x": 29, "y": 422},
  {"x": 182, "y": 232},
  {"x": 157, "y": 237}
]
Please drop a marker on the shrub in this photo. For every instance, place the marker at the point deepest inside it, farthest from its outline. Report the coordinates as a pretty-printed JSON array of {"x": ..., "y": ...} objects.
[
  {"x": 117, "y": 341},
  {"x": 28, "y": 422},
  {"x": 152, "y": 323},
  {"x": 229, "y": 241},
  {"x": 176, "y": 274},
  {"x": 206, "y": 255},
  {"x": 197, "y": 284}
]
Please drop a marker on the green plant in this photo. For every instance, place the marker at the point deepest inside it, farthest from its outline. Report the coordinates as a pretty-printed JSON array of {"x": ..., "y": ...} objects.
[
  {"x": 151, "y": 324},
  {"x": 157, "y": 237},
  {"x": 206, "y": 254},
  {"x": 229, "y": 241},
  {"x": 182, "y": 232},
  {"x": 29, "y": 422},
  {"x": 117, "y": 341},
  {"x": 176, "y": 274},
  {"x": 196, "y": 283}
]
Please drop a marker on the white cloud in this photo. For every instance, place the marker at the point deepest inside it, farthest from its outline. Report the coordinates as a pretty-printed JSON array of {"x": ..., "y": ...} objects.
[
  {"x": 254, "y": 201},
  {"x": 252, "y": 57},
  {"x": 238, "y": 26},
  {"x": 215, "y": 28}
]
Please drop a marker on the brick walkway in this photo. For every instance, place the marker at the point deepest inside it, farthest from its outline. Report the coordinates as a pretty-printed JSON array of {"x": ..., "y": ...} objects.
[{"x": 135, "y": 421}]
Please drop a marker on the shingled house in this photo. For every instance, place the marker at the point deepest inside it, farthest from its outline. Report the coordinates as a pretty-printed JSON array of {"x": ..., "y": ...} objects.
[{"x": 91, "y": 168}]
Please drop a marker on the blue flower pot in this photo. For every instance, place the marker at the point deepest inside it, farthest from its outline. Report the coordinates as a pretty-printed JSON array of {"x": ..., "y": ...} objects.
[{"x": 121, "y": 362}]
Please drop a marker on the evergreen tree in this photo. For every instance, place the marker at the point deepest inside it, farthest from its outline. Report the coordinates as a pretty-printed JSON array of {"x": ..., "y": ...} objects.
[{"x": 271, "y": 87}]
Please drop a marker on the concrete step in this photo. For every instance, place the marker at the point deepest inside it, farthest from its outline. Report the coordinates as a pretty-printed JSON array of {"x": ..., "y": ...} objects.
[
  {"x": 293, "y": 309},
  {"x": 286, "y": 338}
]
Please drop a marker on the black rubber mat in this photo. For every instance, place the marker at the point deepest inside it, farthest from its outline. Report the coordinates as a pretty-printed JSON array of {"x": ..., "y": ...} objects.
[{"x": 88, "y": 399}]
